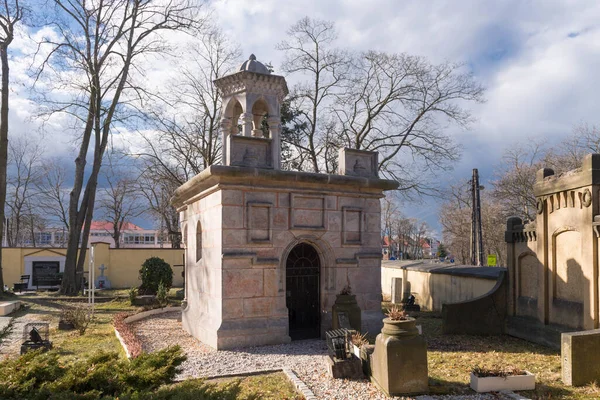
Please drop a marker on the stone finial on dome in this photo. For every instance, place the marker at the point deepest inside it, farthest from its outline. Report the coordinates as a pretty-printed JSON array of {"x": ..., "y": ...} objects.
[{"x": 252, "y": 65}]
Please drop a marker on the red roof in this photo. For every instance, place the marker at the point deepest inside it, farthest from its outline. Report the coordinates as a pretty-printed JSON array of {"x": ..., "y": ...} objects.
[{"x": 108, "y": 226}]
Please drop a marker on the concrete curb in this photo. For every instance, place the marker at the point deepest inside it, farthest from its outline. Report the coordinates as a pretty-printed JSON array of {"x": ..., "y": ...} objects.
[
  {"x": 118, "y": 335},
  {"x": 301, "y": 386}
]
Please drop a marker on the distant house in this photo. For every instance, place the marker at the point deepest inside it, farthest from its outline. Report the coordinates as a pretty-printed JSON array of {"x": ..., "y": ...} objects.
[{"x": 132, "y": 236}]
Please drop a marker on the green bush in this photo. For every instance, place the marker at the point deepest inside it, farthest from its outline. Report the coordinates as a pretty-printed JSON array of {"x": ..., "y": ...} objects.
[
  {"x": 162, "y": 295},
  {"x": 154, "y": 271},
  {"x": 38, "y": 375},
  {"x": 132, "y": 295}
]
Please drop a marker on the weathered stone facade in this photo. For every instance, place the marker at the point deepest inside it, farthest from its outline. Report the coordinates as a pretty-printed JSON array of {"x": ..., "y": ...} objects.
[
  {"x": 553, "y": 262},
  {"x": 241, "y": 220}
]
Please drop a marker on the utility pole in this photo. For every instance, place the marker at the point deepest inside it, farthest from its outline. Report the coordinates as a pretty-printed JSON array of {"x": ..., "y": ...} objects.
[{"x": 476, "y": 232}]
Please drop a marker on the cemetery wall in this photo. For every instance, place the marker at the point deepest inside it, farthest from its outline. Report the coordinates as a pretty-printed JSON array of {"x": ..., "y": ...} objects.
[
  {"x": 122, "y": 265},
  {"x": 553, "y": 261},
  {"x": 433, "y": 287}
]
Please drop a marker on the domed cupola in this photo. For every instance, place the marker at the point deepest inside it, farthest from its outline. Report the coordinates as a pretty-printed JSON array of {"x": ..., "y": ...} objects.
[
  {"x": 254, "y": 66},
  {"x": 250, "y": 116}
]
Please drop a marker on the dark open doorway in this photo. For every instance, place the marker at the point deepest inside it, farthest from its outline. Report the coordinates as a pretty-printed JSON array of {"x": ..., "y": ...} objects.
[{"x": 302, "y": 292}]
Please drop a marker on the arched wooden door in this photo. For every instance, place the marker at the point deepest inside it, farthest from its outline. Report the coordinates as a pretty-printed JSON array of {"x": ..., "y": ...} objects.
[{"x": 302, "y": 292}]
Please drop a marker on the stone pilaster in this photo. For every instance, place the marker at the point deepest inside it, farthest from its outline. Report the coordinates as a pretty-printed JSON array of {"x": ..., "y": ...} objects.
[
  {"x": 247, "y": 122},
  {"x": 225, "y": 132},
  {"x": 274, "y": 134}
]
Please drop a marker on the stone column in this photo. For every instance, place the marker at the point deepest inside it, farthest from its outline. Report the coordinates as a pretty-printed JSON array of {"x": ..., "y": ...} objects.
[
  {"x": 274, "y": 131},
  {"x": 225, "y": 132},
  {"x": 257, "y": 132},
  {"x": 543, "y": 250},
  {"x": 247, "y": 120}
]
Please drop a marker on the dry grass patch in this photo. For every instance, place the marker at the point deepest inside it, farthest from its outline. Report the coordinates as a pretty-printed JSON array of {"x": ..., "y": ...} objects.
[
  {"x": 274, "y": 386},
  {"x": 451, "y": 358}
]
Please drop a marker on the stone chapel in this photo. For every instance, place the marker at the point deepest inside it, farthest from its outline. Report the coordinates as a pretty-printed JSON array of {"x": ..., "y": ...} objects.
[{"x": 267, "y": 250}]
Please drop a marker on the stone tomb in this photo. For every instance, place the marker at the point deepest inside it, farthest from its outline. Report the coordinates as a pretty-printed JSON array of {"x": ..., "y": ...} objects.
[
  {"x": 266, "y": 251},
  {"x": 553, "y": 261}
]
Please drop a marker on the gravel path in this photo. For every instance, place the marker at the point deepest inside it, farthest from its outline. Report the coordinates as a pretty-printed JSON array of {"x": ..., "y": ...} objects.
[{"x": 305, "y": 357}]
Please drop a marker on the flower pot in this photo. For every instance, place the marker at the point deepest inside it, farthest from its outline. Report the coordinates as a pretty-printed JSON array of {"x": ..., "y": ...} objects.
[
  {"x": 497, "y": 383},
  {"x": 399, "y": 363},
  {"x": 400, "y": 329}
]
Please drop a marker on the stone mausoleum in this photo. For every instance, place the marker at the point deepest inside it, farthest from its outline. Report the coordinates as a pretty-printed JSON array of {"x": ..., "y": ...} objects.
[
  {"x": 268, "y": 250},
  {"x": 553, "y": 261}
]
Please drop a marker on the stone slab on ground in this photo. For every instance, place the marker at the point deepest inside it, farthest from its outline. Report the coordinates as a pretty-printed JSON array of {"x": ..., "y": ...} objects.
[{"x": 6, "y": 307}]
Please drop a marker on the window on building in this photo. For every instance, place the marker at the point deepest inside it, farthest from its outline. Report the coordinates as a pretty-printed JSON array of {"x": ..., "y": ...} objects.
[
  {"x": 43, "y": 238},
  {"x": 60, "y": 238},
  {"x": 138, "y": 238},
  {"x": 198, "y": 241}
]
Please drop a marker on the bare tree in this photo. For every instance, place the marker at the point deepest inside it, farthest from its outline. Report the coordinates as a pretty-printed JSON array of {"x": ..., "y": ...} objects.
[
  {"x": 186, "y": 137},
  {"x": 583, "y": 140},
  {"x": 396, "y": 104},
  {"x": 52, "y": 192},
  {"x": 515, "y": 177},
  {"x": 24, "y": 172},
  {"x": 97, "y": 49},
  {"x": 309, "y": 52},
  {"x": 11, "y": 13},
  {"x": 120, "y": 200},
  {"x": 455, "y": 218},
  {"x": 158, "y": 192}
]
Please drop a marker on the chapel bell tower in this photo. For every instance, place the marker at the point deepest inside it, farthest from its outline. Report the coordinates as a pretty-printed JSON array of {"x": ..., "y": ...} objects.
[{"x": 251, "y": 122}]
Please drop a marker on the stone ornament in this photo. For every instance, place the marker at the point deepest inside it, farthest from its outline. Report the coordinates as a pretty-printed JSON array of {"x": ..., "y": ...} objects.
[
  {"x": 540, "y": 206},
  {"x": 586, "y": 199}
]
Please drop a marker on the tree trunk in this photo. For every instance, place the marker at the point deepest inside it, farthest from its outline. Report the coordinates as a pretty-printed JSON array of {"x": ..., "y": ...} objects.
[{"x": 3, "y": 148}]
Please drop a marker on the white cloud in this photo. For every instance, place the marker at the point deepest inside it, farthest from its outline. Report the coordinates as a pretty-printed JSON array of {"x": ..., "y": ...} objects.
[{"x": 538, "y": 59}]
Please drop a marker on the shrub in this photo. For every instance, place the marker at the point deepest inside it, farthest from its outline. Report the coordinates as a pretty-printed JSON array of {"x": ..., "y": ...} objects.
[
  {"x": 397, "y": 314},
  {"x": 359, "y": 339},
  {"x": 80, "y": 315},
  {"x": 7, "y": 330},
  {"x": 38, "y": 375},
  {"x": 132, "y": 295},
  {"x": 154, "y": 271},
  {"x": 497, "y": 370},
  {"x": 162, "y": 295}
]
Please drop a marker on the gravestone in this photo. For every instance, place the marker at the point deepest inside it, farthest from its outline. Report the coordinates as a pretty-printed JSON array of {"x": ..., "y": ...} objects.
[
  {"x": 579, "y": 356},
  {"x": 397, "y": 293},
  {"x": 102, "y": 282}
]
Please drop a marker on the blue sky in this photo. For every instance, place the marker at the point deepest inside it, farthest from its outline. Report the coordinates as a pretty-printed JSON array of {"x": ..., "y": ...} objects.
[{"x": 539, "y": 61}]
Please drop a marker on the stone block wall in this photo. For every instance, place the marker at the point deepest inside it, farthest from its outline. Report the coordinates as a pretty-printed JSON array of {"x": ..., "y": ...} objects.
[
  {"x": 553, "y": 261},
  {"x": 236, "y": 294}
]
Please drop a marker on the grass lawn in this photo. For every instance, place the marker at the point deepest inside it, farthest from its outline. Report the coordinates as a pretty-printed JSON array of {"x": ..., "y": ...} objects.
[
  {"x": 452, "y": 357},
  {"x": 44, "y": 306}
]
